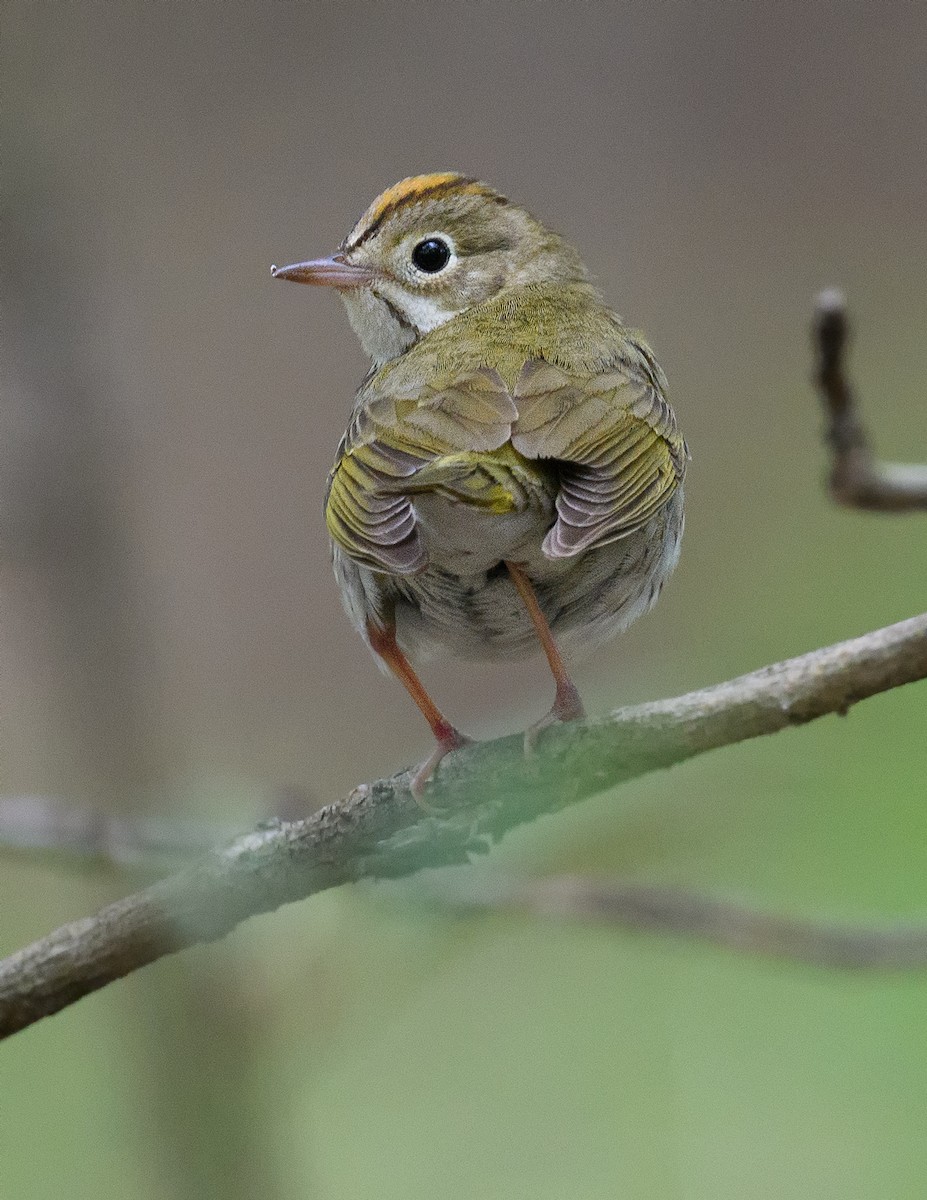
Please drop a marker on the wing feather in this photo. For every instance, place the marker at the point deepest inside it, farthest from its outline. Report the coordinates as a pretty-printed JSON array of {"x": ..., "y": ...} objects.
[
  {"x": 602, "y": 428},
  {"x": 614, "y": 437},
  {"x": 394, "y": 434}
]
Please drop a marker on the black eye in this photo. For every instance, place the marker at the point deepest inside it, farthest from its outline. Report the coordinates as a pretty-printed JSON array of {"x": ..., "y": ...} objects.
[{"x": 431, "y": 255}]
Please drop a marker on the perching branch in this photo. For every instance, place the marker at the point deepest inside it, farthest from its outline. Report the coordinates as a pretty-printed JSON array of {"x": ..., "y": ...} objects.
[
  {"x": 857, "y": 480},
  {"x": 652, "y": 908},
  {"x": 484, "y": 791}
]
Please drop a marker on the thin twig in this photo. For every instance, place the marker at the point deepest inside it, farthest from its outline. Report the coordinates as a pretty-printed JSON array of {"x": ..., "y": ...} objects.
[
  {"x": 86, "y": 835},
  {"x": 653, "y": 908},
  {"x": 83, "y": 834},
  {"x": 380, "y": 831},
  {"x": 857, "y": 480}
]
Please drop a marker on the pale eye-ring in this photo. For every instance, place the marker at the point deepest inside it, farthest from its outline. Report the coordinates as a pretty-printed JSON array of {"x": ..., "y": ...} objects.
[{"x": 431, "y": 255}]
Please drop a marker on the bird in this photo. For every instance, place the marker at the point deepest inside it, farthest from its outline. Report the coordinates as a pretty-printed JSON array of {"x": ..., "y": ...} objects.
[{"x": 511, "y": 477}]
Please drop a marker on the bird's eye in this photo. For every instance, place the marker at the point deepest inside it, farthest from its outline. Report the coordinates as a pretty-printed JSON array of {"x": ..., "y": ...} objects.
[{"x": 431, "y": 255}]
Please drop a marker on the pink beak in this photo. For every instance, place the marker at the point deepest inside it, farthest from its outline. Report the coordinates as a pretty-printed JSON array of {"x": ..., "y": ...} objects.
[{"x": 326, "y": 272}]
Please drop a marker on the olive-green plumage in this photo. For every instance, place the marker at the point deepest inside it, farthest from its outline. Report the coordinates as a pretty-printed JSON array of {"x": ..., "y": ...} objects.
[
  {"x": 561, "y": 399},
  {"x": 510, "y": 422}
]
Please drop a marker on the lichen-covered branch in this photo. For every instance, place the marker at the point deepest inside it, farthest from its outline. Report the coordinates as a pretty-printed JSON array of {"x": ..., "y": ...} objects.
[
  {"x": 857, "y": 480},
  {"x": 482, "y": 792}
]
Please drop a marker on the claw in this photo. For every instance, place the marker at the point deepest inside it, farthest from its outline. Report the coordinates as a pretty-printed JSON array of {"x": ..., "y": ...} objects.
[
  {"x": 567, "y": 706},
  {"x": 450, "y": 740}
]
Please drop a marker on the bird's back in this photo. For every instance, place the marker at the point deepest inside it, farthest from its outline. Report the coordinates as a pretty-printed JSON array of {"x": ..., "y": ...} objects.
[{"x": 475, "y": 456}]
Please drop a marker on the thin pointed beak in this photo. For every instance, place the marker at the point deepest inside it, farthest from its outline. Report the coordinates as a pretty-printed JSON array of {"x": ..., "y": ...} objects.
[{"x": 326, "y": 272}]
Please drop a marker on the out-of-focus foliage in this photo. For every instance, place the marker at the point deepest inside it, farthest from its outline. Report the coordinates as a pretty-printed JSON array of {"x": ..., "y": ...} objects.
[{"x": 175, "y": 641}]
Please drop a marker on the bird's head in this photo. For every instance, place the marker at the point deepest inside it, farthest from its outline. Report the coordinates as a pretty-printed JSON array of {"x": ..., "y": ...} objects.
[{"x": 429, "y": 248}]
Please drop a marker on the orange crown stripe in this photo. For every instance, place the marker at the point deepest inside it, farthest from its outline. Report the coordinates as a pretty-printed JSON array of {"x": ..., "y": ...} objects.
[{"x": 407, "y": 191}]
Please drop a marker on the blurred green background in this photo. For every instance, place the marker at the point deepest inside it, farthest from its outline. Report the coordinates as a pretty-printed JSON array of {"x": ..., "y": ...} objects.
[{"x": 172, "y": 641}]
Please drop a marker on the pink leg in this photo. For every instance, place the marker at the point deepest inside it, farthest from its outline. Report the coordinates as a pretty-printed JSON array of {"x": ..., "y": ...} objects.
[
  {"x": 567, "y": 705},
  {"x": 383, "y": 641}
]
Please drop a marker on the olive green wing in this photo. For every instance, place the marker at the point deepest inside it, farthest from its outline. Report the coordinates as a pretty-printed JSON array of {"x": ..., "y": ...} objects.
[
  {"x": 370, "y": 522},
  {"x": 619, "y": 453},
  {"x": 397, "y": 433}
]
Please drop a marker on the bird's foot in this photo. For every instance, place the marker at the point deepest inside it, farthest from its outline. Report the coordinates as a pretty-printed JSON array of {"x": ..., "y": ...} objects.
[
  {"x": 567, "y": 706},
  {"x": 449, "y": 739}
]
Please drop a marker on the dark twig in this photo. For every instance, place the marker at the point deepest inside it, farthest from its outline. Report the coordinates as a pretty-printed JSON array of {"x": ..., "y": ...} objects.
[
  {"x": 380, "y": 831},
  {"x": 653, "y": 908},
  {"x": 857, "y": 480}
]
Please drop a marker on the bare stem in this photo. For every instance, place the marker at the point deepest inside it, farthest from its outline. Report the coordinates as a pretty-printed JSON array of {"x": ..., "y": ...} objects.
[
  {"x": 857, "y": 480},
  {"x": 652, "y": 908},
  {"x": 84, "y": 834}
]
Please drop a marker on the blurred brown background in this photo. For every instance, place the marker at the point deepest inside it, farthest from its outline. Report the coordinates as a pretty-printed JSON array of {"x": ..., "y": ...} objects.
[{"x": 172, "y": 638}]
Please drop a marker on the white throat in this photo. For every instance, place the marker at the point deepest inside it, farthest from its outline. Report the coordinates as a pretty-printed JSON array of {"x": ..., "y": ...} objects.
[{"x": 386, "y": 327}]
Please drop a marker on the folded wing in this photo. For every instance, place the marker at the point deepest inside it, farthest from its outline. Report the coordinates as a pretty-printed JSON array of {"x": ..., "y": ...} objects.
[
  {"x": 610, "y": 436},
  {"x": 393, "y": 436},
  {"x": 614, "y": 437}
]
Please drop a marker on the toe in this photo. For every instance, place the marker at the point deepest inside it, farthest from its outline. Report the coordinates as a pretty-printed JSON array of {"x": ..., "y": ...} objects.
[
  {"x": 421, "y": 776},
  {"x": 567, "y": 707}
]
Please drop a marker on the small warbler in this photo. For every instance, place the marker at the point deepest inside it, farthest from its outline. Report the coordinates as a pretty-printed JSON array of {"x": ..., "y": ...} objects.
[{"x": 512, "y": 473}]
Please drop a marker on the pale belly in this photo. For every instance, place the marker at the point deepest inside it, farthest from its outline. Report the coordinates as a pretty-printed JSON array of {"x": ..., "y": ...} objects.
[{"x": 464, "y": 603}]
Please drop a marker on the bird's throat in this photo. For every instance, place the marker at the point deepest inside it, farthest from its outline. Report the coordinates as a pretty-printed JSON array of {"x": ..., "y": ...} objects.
[{"x": 387, "y": 327}]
